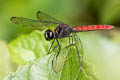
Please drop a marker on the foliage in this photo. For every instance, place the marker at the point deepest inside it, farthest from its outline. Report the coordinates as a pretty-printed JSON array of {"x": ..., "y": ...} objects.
[{"x": 26, "y": 47}]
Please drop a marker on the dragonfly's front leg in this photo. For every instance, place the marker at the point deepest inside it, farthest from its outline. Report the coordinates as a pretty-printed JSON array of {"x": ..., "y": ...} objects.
[
  {"x": 51, "y": 46},
  {"x": 54, "y": 47},
  {"x": 59, "y": 47}
]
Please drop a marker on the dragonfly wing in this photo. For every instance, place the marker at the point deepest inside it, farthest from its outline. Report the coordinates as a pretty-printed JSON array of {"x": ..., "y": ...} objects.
[
  {"x": 67, "y": 63},
  {"x": 59, "y": 61},
  {"x": 71, "y": 68},
  {"x": 38, "y": 24},
  {"x": 73, "y": 64},
  {"x": 43, "y": 16}
]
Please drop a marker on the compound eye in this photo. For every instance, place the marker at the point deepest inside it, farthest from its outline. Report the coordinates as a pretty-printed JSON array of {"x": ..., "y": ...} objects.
[{"x": 48, "y": 35}]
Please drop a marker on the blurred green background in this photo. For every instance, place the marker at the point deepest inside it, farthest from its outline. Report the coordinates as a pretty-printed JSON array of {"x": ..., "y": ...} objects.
[{"x": 102, "y": 48}]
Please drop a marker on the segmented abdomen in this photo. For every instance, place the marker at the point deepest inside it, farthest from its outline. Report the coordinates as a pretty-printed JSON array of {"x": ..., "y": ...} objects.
[{"x": 92, "y": 27}]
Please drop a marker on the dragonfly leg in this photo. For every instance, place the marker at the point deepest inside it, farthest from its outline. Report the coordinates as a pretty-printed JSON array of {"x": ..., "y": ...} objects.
[
  {"x": 69, "y": 41},
  {"x": 51, "y": 46},
  {"x": 82, "y": 51},
  {"x": 70, "y": 37},
  {"x": 54, "y": 47},
  {"x": 52, "y": 63},
  {"x": 78, "y": 53},
  {"x": 59, "y": 47}
]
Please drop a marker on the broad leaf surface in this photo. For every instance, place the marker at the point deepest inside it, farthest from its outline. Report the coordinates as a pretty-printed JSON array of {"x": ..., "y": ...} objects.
[
  {"x": 32, "y": 48},
  {"x": 28, "y": 47}
]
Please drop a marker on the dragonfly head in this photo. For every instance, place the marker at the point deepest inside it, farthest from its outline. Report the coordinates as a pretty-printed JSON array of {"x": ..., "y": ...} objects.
[{"x": 49, "y": 35}]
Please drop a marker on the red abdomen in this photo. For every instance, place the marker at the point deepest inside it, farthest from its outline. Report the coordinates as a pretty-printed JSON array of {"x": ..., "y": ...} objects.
[{"x": 92, "y": 28}]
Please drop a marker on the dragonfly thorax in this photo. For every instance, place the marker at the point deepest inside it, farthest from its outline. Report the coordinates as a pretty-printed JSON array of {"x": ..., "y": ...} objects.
[
  {"x": 62, "y": 31},
  {"x": 49, "y": 35}
]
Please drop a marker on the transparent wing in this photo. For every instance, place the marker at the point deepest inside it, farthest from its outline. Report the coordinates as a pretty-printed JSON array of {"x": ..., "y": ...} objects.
[
  {"x": 38, "y": 24},
  {"x": 66, "y": 65},
  {"x": 69, "y": 60},
  {"x": 43, "y": 16},
  {"x": 71, "y": 68},
  {"x": 59, "y": 61}
]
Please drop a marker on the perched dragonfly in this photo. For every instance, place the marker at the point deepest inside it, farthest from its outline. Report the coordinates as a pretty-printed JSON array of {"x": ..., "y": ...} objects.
[{"x": 62, "y": 30}]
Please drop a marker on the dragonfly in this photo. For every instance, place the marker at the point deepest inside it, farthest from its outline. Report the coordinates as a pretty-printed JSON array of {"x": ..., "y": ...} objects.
[{"x": 60, "y": 31}]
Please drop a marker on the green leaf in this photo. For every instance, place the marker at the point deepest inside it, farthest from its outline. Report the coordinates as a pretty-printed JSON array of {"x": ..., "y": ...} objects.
[
  {"x": 42, "y": 69},
  {"x": 28, "y": 47},
  {"x": 36, "y": 70},
  {"x": 67, "y": 66}
]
